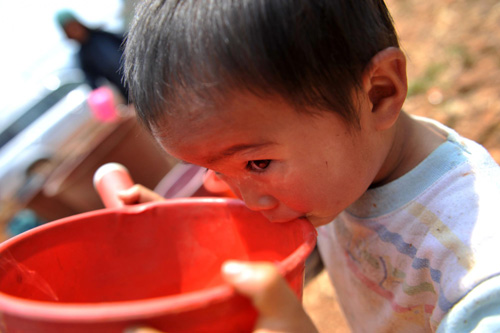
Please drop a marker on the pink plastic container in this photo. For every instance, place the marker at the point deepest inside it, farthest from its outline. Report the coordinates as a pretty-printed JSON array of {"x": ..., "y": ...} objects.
[
  {"x": 102, "y": 104},
  {"x": 155, "y": 264}
]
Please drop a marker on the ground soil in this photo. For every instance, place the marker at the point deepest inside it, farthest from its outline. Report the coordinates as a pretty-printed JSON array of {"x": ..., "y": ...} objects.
[{"x": 453, "y": 50}]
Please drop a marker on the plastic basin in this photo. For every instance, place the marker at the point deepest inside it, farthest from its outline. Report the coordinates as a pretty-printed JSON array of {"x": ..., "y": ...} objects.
[{"x": 153, "y": 264}]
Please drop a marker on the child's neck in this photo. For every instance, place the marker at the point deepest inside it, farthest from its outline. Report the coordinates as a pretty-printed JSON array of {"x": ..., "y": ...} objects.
[{"x": 412, "y": 143}]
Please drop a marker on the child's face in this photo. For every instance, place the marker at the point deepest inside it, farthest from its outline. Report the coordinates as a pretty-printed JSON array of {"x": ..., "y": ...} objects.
[{"x": 283, "y": 163}]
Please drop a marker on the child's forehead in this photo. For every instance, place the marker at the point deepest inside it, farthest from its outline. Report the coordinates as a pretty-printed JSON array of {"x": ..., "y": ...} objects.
[
  {"x": 237, "y": 114},
  {"x": 232, "y": 104}
]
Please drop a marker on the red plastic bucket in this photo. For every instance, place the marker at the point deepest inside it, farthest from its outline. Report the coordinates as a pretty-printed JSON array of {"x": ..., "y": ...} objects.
[{"x": 153, "y": 264}]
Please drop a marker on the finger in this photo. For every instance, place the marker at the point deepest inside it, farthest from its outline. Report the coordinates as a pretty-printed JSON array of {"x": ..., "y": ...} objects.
[
  {"x": 262, "y": 283},
  {"x": 141, "y": 330},
  {"x": 129, "y": 196},
  {"x": 278, "y": 307},
  {"x": 138, "y": 194},
  {"x": 147, "y": 195}
]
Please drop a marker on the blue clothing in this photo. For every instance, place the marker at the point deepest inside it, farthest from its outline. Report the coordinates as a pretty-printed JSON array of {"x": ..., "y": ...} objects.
[{"x": 100, "y": 57}]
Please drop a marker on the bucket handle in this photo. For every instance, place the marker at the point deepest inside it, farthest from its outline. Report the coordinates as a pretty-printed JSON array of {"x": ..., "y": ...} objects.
[{"x": 110, "y": 179}]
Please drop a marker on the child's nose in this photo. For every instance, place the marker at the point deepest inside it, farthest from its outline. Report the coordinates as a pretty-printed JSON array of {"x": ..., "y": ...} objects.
[{"x": 257, "y": 201}]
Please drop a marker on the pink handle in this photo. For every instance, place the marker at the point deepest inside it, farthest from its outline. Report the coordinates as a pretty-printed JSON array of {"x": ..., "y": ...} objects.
[{"x": 109, "y": 179}]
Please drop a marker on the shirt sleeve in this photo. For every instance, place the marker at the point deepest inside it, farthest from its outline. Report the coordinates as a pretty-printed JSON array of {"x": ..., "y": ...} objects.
[{"x": 478, "y": 311}]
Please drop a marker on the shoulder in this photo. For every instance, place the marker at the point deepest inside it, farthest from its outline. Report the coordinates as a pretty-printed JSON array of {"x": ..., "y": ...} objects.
[
  {"x": 462, "y": 166},
  {"x": 461, "y": 215}
]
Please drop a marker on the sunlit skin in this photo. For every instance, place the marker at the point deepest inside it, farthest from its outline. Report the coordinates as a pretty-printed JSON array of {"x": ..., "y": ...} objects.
[
  {"x": 281, "y": 162},
  {"x": 291, "y": 164},
  {"x": 76, "y": 31}
]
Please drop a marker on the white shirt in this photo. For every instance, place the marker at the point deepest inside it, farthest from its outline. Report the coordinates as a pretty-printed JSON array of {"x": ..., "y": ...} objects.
[{"x": 404, "y": 254}]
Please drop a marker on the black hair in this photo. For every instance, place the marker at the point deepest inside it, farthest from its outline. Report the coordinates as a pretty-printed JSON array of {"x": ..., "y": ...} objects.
[{"x": 312, "y": 53}]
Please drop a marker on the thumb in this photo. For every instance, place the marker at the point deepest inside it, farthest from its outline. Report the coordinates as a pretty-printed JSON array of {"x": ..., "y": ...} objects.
[
  {"x": 130, "y": 196},
  {"x": 138, "y": 194},
  {"x": 279, "y": 308}
]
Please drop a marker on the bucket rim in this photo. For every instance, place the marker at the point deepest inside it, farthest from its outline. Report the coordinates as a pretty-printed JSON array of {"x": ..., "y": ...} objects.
[{"x": 142, "y": 308}]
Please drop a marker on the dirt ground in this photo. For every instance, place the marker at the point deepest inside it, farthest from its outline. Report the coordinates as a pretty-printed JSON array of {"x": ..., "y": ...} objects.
[{"x": 453, "y": 50}]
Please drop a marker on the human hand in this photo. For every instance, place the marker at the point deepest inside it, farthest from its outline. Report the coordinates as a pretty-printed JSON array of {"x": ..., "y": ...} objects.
[
  {"x": 138, "y": 194},
  {"x": 279, "y": 308}
]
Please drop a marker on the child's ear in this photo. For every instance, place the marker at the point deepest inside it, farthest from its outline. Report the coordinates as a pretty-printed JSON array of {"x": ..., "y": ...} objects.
[{"x": 384, "y": 82}]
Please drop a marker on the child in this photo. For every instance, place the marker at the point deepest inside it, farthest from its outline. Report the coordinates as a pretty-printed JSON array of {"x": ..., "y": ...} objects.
[{"x": 296, "y": 105}]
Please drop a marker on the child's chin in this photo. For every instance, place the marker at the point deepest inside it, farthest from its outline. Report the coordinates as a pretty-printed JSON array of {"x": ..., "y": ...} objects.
[
  {"x": 282, "y": 219},
  {"x": 319, "y": 221}
]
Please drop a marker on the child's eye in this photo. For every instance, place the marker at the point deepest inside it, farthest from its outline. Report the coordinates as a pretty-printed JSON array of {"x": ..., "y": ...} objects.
[{"x": 258, "y": 165}]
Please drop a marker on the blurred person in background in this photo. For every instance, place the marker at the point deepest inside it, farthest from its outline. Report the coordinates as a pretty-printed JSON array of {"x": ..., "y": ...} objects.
[{"x": 100, "y": 51}]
